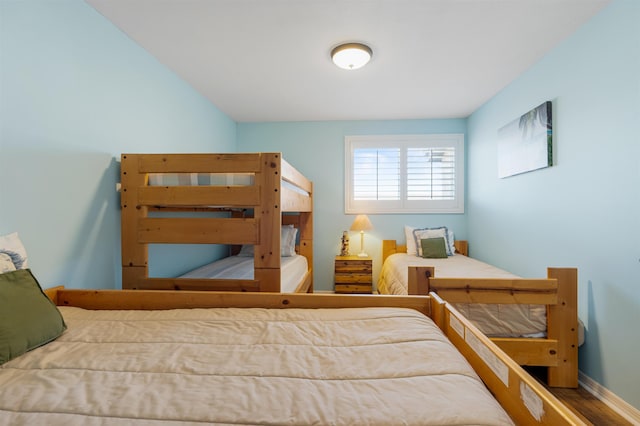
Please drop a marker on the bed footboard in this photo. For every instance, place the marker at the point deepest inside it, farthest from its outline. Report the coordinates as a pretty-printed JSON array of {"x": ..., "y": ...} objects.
[{"x": 559, "y": 350}]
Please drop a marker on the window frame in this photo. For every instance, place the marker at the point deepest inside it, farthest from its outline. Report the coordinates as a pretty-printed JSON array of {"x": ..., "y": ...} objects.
[{"x": 403, "y": 142}]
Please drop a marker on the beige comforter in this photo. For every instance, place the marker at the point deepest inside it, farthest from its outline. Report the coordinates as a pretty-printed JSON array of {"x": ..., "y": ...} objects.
[{"x": 378, "y": 366}]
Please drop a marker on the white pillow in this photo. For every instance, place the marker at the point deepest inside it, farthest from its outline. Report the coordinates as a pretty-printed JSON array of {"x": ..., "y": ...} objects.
[
  {"x": 451, "y": 240},
  {"x": 12, "y": 246},
  {"x": 411, "y": 242},
  {"x": 441, "y": 232},
  {"x": 6, "y": 264},
  {"x": 288, "y": 234},
  {"x": 288, "y": 240}
]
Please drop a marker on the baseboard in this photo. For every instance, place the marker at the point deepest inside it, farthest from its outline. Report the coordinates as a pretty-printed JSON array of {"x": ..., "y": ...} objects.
[{"x": 612, "y": 400}]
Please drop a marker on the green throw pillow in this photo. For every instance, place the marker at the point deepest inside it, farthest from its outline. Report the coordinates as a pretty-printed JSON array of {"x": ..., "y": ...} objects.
[
  {"x": 28, "y": 318},
  {"x": 434, "y": 248}
]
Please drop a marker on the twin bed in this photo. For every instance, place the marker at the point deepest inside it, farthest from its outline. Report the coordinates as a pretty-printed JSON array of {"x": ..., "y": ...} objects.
[
  {"x": 535, "y": 321},
  {"x": 251, "y": 202}
]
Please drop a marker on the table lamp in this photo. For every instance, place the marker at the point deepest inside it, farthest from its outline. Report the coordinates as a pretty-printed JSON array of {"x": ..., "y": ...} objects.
[{"x": 361, "y": 223}]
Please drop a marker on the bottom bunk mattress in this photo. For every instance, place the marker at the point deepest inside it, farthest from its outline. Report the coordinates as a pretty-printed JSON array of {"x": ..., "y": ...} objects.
[
  {"x": 493, "y": 320},
  {"x": 292, "y": 270},
  {"x": 374, "y": 366}
]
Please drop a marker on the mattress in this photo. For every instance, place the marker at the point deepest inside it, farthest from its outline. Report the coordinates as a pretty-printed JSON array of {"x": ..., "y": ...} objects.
[
  {"x": 292, "y": 270},
  {"x": 493, "y": 320},
  {"x": 373, "y": 366},
  {"x": 212, "y": 179},
  {"x": 196, "y": 179}
]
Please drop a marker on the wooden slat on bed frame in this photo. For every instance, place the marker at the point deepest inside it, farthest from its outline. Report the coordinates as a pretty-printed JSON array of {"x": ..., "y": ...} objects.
[
  {"x": 526, "y": 401},
  {"x": 559, "y": 292},
  {"x": 267, "y": 197}
]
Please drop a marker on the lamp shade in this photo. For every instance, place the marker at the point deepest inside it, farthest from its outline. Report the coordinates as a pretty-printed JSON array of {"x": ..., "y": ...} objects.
[
  {"x": 351, "y": 56},
  {"x": 361, "y": 223}
]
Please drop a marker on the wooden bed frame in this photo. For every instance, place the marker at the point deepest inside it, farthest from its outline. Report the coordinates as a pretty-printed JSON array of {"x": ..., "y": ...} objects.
[
  {"x": 268, "y": 198},
  {"x": 559, "y": 292},
  {"x": 525, "y": 399}
]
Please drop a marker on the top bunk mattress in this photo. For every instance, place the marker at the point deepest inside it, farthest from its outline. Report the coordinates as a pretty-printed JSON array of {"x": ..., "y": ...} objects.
[
  {"x": 246, "y": 366},
  {"x": 200, "y": 179},
  {"x": 492, "y": 319},
  {"x": 212, "y": 179},
  {"x": 292, "y": 270}
]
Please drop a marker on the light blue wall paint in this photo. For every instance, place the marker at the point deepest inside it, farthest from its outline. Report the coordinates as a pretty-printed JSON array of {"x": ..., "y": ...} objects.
[
  {"x": 76, "y": 93},
  {"x": 317, "y": 150},
  {"x": 585, "y": 210}
]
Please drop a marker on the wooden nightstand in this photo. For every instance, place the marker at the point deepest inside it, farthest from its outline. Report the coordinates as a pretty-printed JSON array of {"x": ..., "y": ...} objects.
[{"x": 353, "y": 274}]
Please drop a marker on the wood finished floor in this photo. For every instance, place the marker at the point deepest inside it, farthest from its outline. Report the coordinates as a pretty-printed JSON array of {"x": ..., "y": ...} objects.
[{"x": 585, "y": 405}]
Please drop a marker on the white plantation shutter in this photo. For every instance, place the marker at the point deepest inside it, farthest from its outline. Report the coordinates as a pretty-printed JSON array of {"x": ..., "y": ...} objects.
[
  {"x": 376, "y": 174},
  {"x": 431, "y": 173},
  {"x": 404, "y": 174}
]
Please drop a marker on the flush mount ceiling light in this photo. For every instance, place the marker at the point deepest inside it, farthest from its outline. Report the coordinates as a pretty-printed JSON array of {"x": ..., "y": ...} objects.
[{"x": 351, "y": 56}]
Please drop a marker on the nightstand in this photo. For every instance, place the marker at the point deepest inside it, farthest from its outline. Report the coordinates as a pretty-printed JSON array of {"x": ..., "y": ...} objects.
[{"x": 353, "y": 274}]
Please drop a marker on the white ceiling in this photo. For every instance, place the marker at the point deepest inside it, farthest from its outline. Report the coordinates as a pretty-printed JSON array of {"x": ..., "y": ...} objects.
[{"x": 268, "y": 60}]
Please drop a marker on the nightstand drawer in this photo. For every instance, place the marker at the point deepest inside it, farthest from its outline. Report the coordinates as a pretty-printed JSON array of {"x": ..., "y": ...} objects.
[
  {"x": 347, "y": 288},
  {"x": 356, "y": 266},
  {"x": 342, "y": 278}
]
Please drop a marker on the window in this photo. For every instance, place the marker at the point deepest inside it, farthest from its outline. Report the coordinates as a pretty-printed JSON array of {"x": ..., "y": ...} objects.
[{"x": 404, "y": 174}]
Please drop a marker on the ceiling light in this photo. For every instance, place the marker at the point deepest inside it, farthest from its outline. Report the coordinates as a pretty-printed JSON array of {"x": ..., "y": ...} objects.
[{"x": 351, "y": 56}]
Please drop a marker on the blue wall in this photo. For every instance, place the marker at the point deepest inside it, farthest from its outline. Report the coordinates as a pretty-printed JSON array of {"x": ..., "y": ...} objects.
[
  {"x": 76, "y": 93},
  {"x": 585, "y": 210},
  {"x": 317, "y": 150}
]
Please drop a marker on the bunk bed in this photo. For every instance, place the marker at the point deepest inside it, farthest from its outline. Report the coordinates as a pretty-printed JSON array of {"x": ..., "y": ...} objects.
[
  {"x": 188, "y": 357},
  {"x": 556, "y": 295},
  {"x": 248, "y": 198}
]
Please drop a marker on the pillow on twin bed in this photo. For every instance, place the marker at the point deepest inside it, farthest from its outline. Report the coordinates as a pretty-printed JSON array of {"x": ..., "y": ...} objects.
[
  {"x": 288, "y": 234},
  {"x": 12, "y": 246},
  {"x": 441, "y": 232},
  {"x": 28, "y": 318},
  {"x": 433, "y": 248},
  {"x": 6, "y": 264},
  {"x": 413, "y": 242}
]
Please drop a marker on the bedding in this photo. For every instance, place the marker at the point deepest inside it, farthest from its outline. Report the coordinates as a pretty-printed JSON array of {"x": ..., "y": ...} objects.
[
  {"x": 412, "y": 241},
  {"x": 28, "y": 319},
  {"x": 246, "y": 366},
  {"x": 6, "y": 264},
  {"x": 197, "y": 179},
  {"x": 210, "y": 179},
  {"x": 293, "y": 269},
  {"x": 288, "y": 234},
  {"x": 12, "y": 246},
  {"x": 492, "y": 320}
]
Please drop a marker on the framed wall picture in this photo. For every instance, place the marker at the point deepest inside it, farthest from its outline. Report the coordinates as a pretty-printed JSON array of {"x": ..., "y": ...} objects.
[{"x": 526, "y": 143}]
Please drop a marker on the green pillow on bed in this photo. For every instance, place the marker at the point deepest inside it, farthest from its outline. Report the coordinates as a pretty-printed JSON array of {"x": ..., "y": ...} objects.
[
  {"x": 28, "y": 318},
  {"x": 433, "y": 248}
]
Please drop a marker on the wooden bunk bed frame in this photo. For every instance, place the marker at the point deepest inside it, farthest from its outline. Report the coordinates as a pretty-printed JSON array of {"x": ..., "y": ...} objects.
[
  {"x": 267, "y": 197},
  {"x": 524, "y": 398},
  {"x": 559, "y": 292}
]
